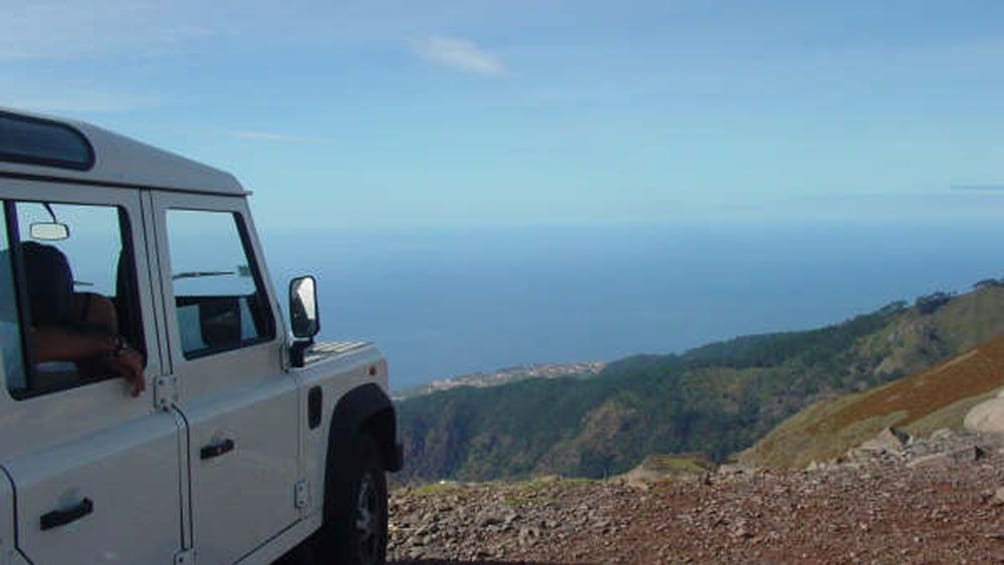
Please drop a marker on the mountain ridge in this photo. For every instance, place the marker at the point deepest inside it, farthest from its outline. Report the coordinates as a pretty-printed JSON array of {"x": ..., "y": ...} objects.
[{"x": 716, "y": 399}]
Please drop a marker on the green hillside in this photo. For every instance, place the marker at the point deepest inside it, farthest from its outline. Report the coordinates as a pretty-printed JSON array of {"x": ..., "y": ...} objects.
[
  {"x": 715, "y": 400},
  {"x": 919, "y": 404}
]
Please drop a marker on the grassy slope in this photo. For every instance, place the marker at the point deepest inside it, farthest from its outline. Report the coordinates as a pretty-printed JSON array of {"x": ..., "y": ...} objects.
[
  {"x": 936, "y": 398},
  {"x": 907, "y": 344}
]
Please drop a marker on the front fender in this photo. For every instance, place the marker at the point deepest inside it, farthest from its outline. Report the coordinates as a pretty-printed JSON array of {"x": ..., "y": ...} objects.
[{"x": 364, "y": 409}]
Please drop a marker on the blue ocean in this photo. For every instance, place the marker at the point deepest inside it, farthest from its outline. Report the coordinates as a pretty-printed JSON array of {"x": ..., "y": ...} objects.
[{"x": 447, "y": 302}]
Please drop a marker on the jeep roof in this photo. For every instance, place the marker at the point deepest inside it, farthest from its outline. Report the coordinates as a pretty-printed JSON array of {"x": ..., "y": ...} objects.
[{"x": 116, "y": 159}]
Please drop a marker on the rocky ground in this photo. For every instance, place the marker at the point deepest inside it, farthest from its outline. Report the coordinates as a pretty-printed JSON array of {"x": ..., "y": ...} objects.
[{"x": 932, "y": 501}]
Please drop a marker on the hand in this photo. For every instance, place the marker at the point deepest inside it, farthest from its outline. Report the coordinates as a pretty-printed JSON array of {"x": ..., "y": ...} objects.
[{"x": 129, "y": 364}]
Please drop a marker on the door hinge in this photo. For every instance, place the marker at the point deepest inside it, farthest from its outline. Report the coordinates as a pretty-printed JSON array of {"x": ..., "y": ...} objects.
[
  {"x": 165, "y": 392},
  {"x": 301, "y": 494},
  {"x": 185, "y": 557}
]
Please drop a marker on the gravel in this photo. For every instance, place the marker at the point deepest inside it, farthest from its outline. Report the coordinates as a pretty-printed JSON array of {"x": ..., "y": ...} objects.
[{"x": 935, "y": 501}]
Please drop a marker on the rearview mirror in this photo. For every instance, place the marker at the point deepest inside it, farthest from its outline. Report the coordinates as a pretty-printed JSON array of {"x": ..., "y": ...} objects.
[
  {"x": 49, "y": 231},
  {"x": 303, "y": 307}
]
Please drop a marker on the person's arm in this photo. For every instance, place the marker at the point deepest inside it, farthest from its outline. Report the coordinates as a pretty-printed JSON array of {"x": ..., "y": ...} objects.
[{"x": 52, "y": 343}]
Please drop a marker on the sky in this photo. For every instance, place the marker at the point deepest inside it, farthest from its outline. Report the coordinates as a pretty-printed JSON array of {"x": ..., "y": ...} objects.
[{"x": 466, "y": 113}]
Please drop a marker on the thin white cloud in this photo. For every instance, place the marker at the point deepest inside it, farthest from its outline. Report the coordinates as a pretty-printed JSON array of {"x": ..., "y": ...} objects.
[
  {"x": 271, "y": 136},
  {"x": 459, "y": 54}
]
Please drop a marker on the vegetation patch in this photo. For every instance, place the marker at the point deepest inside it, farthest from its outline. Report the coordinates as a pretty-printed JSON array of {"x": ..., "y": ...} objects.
[
  {"x": 438, "y": 488},
  {"x": 681, "y": 464},
  {"x": 525, "y": 493},
  {"x": 950, "y": 417}
]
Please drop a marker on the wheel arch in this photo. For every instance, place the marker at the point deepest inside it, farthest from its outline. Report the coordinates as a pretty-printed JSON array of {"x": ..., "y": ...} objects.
[{"x": 363, "y": 409}]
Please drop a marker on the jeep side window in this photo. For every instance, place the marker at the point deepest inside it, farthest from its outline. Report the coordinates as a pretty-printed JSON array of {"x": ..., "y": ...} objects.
[
  {"x": 218, "y": 293},
  {"x": 70, "y": 276}
]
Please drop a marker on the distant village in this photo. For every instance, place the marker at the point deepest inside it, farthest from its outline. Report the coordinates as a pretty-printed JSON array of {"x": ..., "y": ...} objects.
[{"x": 504, "y": 376}]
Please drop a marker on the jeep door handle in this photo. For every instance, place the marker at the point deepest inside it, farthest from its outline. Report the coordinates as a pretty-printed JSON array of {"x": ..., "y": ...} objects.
[
  {"x": 58, "y": 518},
  {"x": 217, "y": 449}
]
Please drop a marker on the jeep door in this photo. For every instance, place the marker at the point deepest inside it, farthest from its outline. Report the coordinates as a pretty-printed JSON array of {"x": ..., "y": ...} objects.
[
  {"x": 226, "y": 354},
  {"x": 96, "y": 473}
]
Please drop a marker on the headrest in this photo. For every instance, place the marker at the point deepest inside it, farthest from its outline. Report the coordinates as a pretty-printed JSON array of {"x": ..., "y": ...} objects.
[{"x": 50, "y": 284}]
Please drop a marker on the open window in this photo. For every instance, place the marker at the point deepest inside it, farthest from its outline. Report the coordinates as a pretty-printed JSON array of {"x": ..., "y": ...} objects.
[
  {"x": 219, "y": 296},
  {"x": 72, "y": 286}
]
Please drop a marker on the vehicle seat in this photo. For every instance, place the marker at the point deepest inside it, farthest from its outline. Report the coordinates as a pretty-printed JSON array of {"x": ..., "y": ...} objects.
[{"x": 220, "y": 321}]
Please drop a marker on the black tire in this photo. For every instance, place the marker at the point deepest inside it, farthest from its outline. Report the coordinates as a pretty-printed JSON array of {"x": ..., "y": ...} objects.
[{"x": 355, "y": 509}]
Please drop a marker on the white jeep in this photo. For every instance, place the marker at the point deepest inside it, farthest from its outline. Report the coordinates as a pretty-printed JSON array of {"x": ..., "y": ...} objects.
[{"x": 155, "y": 407}]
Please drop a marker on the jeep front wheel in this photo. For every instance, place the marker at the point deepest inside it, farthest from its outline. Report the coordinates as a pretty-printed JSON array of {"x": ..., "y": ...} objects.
[{"x": 357, "y": 510}]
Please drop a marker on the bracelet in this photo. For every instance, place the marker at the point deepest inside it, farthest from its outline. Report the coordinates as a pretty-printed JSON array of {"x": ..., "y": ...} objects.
[{"x": 120, "y": 346}]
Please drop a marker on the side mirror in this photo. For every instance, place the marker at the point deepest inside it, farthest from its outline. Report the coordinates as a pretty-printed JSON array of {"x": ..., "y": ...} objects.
[
  {"x": 303, "y": 318},
  {"x": 303, "y": 307},
  {"x": 49, "y": 231}
]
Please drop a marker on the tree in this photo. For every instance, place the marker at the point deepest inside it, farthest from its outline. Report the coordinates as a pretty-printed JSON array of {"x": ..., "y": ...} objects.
[
  {"x": 929, "y": 303},
  {"x": 988, "y": 283}
]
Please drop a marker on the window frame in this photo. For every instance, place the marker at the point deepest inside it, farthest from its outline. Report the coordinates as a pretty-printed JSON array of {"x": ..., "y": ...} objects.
[
  {"x": 13, "y": 238},
  {"x": 260, "y": 296}
]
